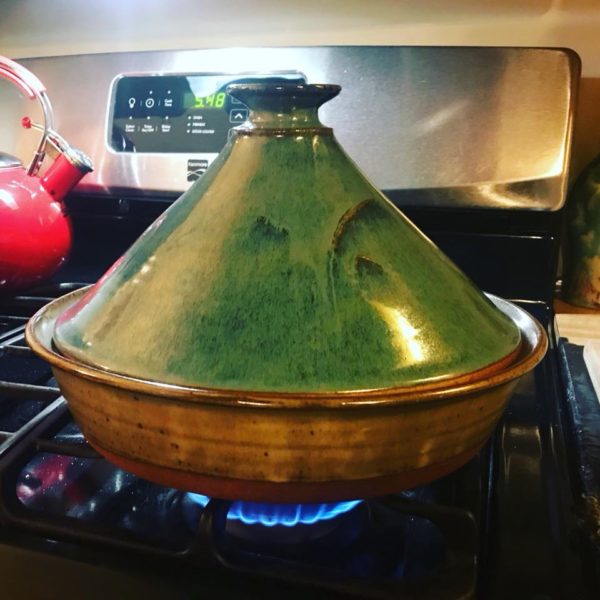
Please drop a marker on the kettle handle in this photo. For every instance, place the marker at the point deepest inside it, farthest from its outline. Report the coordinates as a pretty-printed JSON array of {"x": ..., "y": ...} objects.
[{"x": 33, "y": 89}]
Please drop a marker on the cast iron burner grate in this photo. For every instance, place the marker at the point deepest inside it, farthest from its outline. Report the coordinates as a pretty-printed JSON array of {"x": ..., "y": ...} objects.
[{"x": 420, "y": 544}]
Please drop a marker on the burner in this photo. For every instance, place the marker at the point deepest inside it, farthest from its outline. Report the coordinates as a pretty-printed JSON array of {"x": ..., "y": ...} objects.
[
  {"x": 286, "y": 515},
  {"x": 289, "y": 524}
]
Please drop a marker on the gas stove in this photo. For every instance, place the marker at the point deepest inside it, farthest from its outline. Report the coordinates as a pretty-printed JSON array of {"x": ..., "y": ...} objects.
[
  {"x": 506, "y": 525},
  {"x": 494, "y": 529}
]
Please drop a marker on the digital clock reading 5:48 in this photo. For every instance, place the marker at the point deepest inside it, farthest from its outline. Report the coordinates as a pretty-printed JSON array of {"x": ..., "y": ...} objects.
[{"x": 212, "y": 101}]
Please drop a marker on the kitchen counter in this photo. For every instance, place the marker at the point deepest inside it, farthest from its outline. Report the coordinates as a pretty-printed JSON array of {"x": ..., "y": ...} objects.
[{"x": 577, "y": 324}]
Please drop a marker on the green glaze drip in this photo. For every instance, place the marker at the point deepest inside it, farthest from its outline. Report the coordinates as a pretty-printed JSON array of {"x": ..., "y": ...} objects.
[{"x": 284, "y": 269}]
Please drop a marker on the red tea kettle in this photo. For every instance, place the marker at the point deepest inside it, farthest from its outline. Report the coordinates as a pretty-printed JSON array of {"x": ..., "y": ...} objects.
[{"x": 35, "y": 232}]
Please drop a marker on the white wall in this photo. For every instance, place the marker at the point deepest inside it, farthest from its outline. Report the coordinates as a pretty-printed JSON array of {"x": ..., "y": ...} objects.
[{"x": 45, "y": 28}]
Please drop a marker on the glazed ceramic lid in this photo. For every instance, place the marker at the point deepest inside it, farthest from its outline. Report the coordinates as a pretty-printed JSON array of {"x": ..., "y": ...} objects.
[{"x": 284, "y": 269}]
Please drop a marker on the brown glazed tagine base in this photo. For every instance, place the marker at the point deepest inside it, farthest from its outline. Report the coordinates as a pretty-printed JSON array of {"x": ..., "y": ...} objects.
[
  {"x": 286, "y": 447},
  {"x": 291, "y": 491}
]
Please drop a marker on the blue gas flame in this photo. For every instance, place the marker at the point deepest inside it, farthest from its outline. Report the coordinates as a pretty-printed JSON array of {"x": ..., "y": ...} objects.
[{"x": 288, "y": 515}]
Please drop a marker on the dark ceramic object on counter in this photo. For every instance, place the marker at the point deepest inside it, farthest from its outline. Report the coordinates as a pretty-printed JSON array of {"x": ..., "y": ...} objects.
[
  {"x": 582, "y": 252},
  {"x": 283, "y": 332}
]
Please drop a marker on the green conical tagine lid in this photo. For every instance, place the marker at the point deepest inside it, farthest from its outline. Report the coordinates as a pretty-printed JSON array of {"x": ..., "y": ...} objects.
[{"x": 284, "y": 269}]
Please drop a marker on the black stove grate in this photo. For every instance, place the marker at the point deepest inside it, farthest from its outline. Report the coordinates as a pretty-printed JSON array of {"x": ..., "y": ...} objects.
[{"x": 27, "y": 391}]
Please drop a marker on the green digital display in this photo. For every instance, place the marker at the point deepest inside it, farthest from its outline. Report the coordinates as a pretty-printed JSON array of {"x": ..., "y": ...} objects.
[{"x": 211, "y": 101}]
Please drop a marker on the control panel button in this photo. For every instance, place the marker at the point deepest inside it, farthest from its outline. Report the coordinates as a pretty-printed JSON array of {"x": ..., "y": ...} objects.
[
  {"x": 238, "y": 115},
  {"x": 149, "y": 102}
]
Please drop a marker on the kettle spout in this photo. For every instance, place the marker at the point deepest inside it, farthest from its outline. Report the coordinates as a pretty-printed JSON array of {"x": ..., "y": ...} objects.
[{"x": 65, "y": 172}]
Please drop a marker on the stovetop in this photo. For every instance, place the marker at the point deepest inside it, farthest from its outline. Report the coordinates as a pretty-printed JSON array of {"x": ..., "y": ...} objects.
[{"x": 505, "y": 525}]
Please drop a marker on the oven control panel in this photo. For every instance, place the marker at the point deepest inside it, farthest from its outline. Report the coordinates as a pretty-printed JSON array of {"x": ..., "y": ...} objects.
[
  {"x": 431, "y": 126},
  {"x": 178, "y": 113}
]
